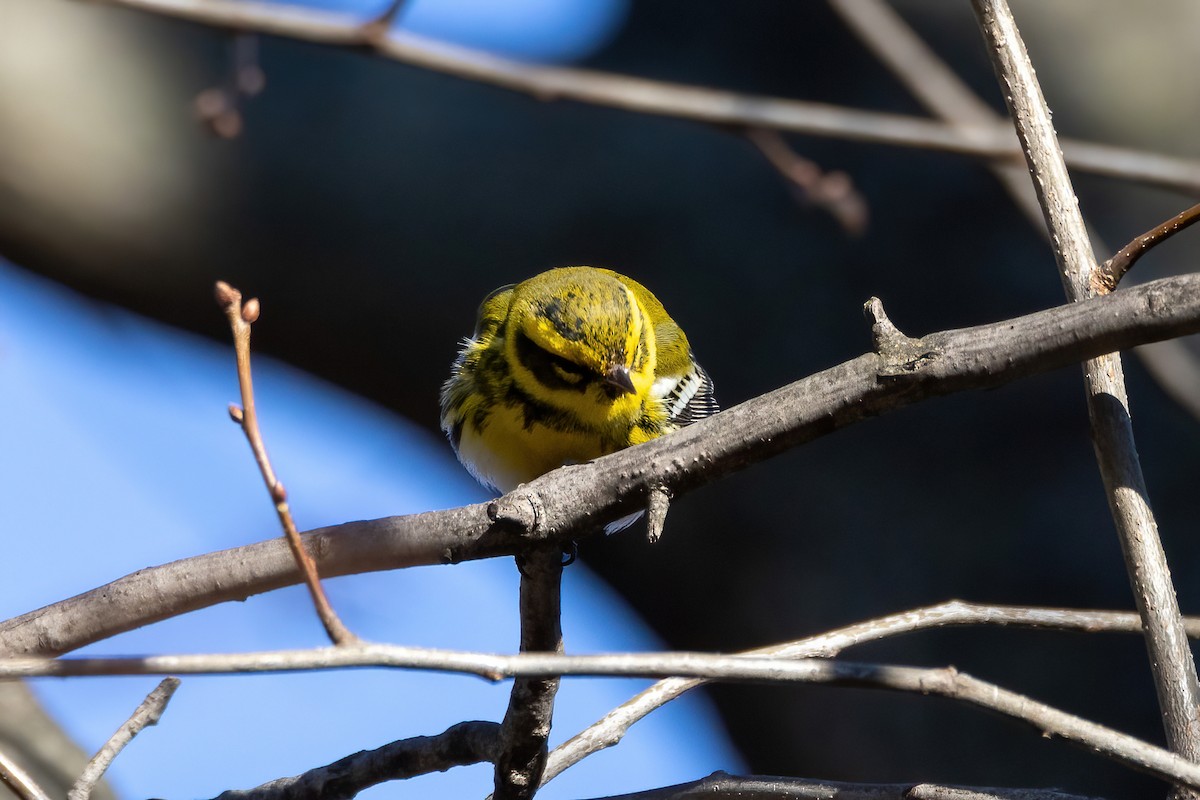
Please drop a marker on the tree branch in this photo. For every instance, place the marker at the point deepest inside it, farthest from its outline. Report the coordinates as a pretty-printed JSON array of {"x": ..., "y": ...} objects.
[
  {"x": 1171, "y": 658},
  {"x": 609, "y": 730},
  {"x": 723, "y": 786},
  {"x": 461, "y": 744},
  {"x": 832, "y": 191},
  {"x": 526, "y": 726},
  {"x": 936, "y": 86},
  {"x": 659, "y": 97},
  {"x": 571, "y": 501},
  {"x": 148, "y": 713},
  {"x": 19, "y": 782},
  {"x": 241, "y": 317},
  {"x": 1112, "y": 270},
  {"x": 945, "y": 682}
]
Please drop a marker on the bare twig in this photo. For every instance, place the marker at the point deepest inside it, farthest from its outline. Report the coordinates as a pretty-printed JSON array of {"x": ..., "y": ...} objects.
[
  {"x": 609, "y": 730},
  {"x": 22, "y": 784},
  {"x": 832, "y": 191},
  {"x": 659, "y": 97},
  {"x": 460, "y": 745},
  {"x": 1112, "y": 432},
  {"x": 945, "y": 682},
  {"x": 1115, "y": 268},
  {"x": 941, "y": 90},
  {"x": 527, "y": 721},
  {"x": 572, "y": 501},
  {"x": 241, "y": 317},
  {"x": 146, "y": 714},
  {"x": 954, "y": 613},
  {"x": 723, "y": 786},
  {"x": 936, "y": 86}
]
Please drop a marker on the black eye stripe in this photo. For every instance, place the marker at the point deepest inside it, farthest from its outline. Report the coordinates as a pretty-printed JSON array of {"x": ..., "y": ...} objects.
[{"x": 551, "y": 370}]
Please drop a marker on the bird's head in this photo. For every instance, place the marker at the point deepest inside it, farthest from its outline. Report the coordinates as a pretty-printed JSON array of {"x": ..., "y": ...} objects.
[{"x": 579, "y": 339}]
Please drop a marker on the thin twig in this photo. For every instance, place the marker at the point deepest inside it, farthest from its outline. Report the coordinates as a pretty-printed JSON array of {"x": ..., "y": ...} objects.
[
  {"x": 832, "y": 191},
  {"x": 574, "y": 499},
  {"x": 493, "y": 667},
  {"x": 659, "y": 97},
  {"x": 1171, "y": 658},
  {"x": 945, "y": 682},
  {"x": 612, "y": 728},
  {"x": 943, "y": 92},
  {"x": 609, "y": 730},
  {"x": 1115, "y": 268},
  {"x": 526, "y": 726},
  {"x": 22, "y": 784},
  {"x": 936, "y": 86},
  {"x": 241, "y": 317},
  {"x": 460, "y": 745},
  {"x": 723, "y": 786},
  {"x": 146, "y": 714}
]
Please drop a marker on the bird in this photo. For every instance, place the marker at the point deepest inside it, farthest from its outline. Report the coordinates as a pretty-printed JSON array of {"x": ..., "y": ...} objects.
[{"x": 564, "y": 367}]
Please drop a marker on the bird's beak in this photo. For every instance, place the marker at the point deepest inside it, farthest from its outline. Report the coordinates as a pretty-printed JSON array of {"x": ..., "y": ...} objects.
[{"x": 618, "y": 378}]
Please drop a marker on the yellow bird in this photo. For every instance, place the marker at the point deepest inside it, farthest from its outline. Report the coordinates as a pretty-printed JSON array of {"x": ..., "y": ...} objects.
[{"x": 564, "y": 367}]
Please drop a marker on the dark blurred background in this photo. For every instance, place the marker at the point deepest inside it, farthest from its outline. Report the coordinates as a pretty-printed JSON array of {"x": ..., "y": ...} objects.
[{"x": 370, "y": 206}]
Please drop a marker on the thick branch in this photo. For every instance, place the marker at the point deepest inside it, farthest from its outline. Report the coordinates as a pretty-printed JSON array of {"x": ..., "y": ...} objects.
[
  {"x": 571, "y": 501},
  {"x": 723, "y": 786},
  {"x": 658, "y": 97},
  {"x": 527, "y": 721},
  {"x": 461, "y": 744},
  {"x": 1171, "y": 658}
]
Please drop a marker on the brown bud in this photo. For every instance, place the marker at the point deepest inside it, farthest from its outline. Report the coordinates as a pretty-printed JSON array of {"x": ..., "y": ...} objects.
[
  {"x": 235, "y": 413},
  {"x": 226, "y": 295},
  {"x": 278, "y": 493},
  {"x": 251, "y": 310}
]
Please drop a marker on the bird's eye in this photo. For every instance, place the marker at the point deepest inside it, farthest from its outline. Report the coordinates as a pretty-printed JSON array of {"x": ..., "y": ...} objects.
[
  {"x": 567, "y": 370},
  {"x": 550, "y": 369}
]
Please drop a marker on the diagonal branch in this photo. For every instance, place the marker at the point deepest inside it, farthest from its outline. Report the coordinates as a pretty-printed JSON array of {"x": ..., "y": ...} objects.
[
  {"x": 659, "y": 97},
  {"x": 1171, "y": 660},
  {"x": 1112, "y": 270},
  {"x": 18, "y": 781},
  {"x": 241, "y": 317},
  {"x": 148, "y": 712},
  {"x": 569, "y": 502},
  {"x": 609, "y": 730}
]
